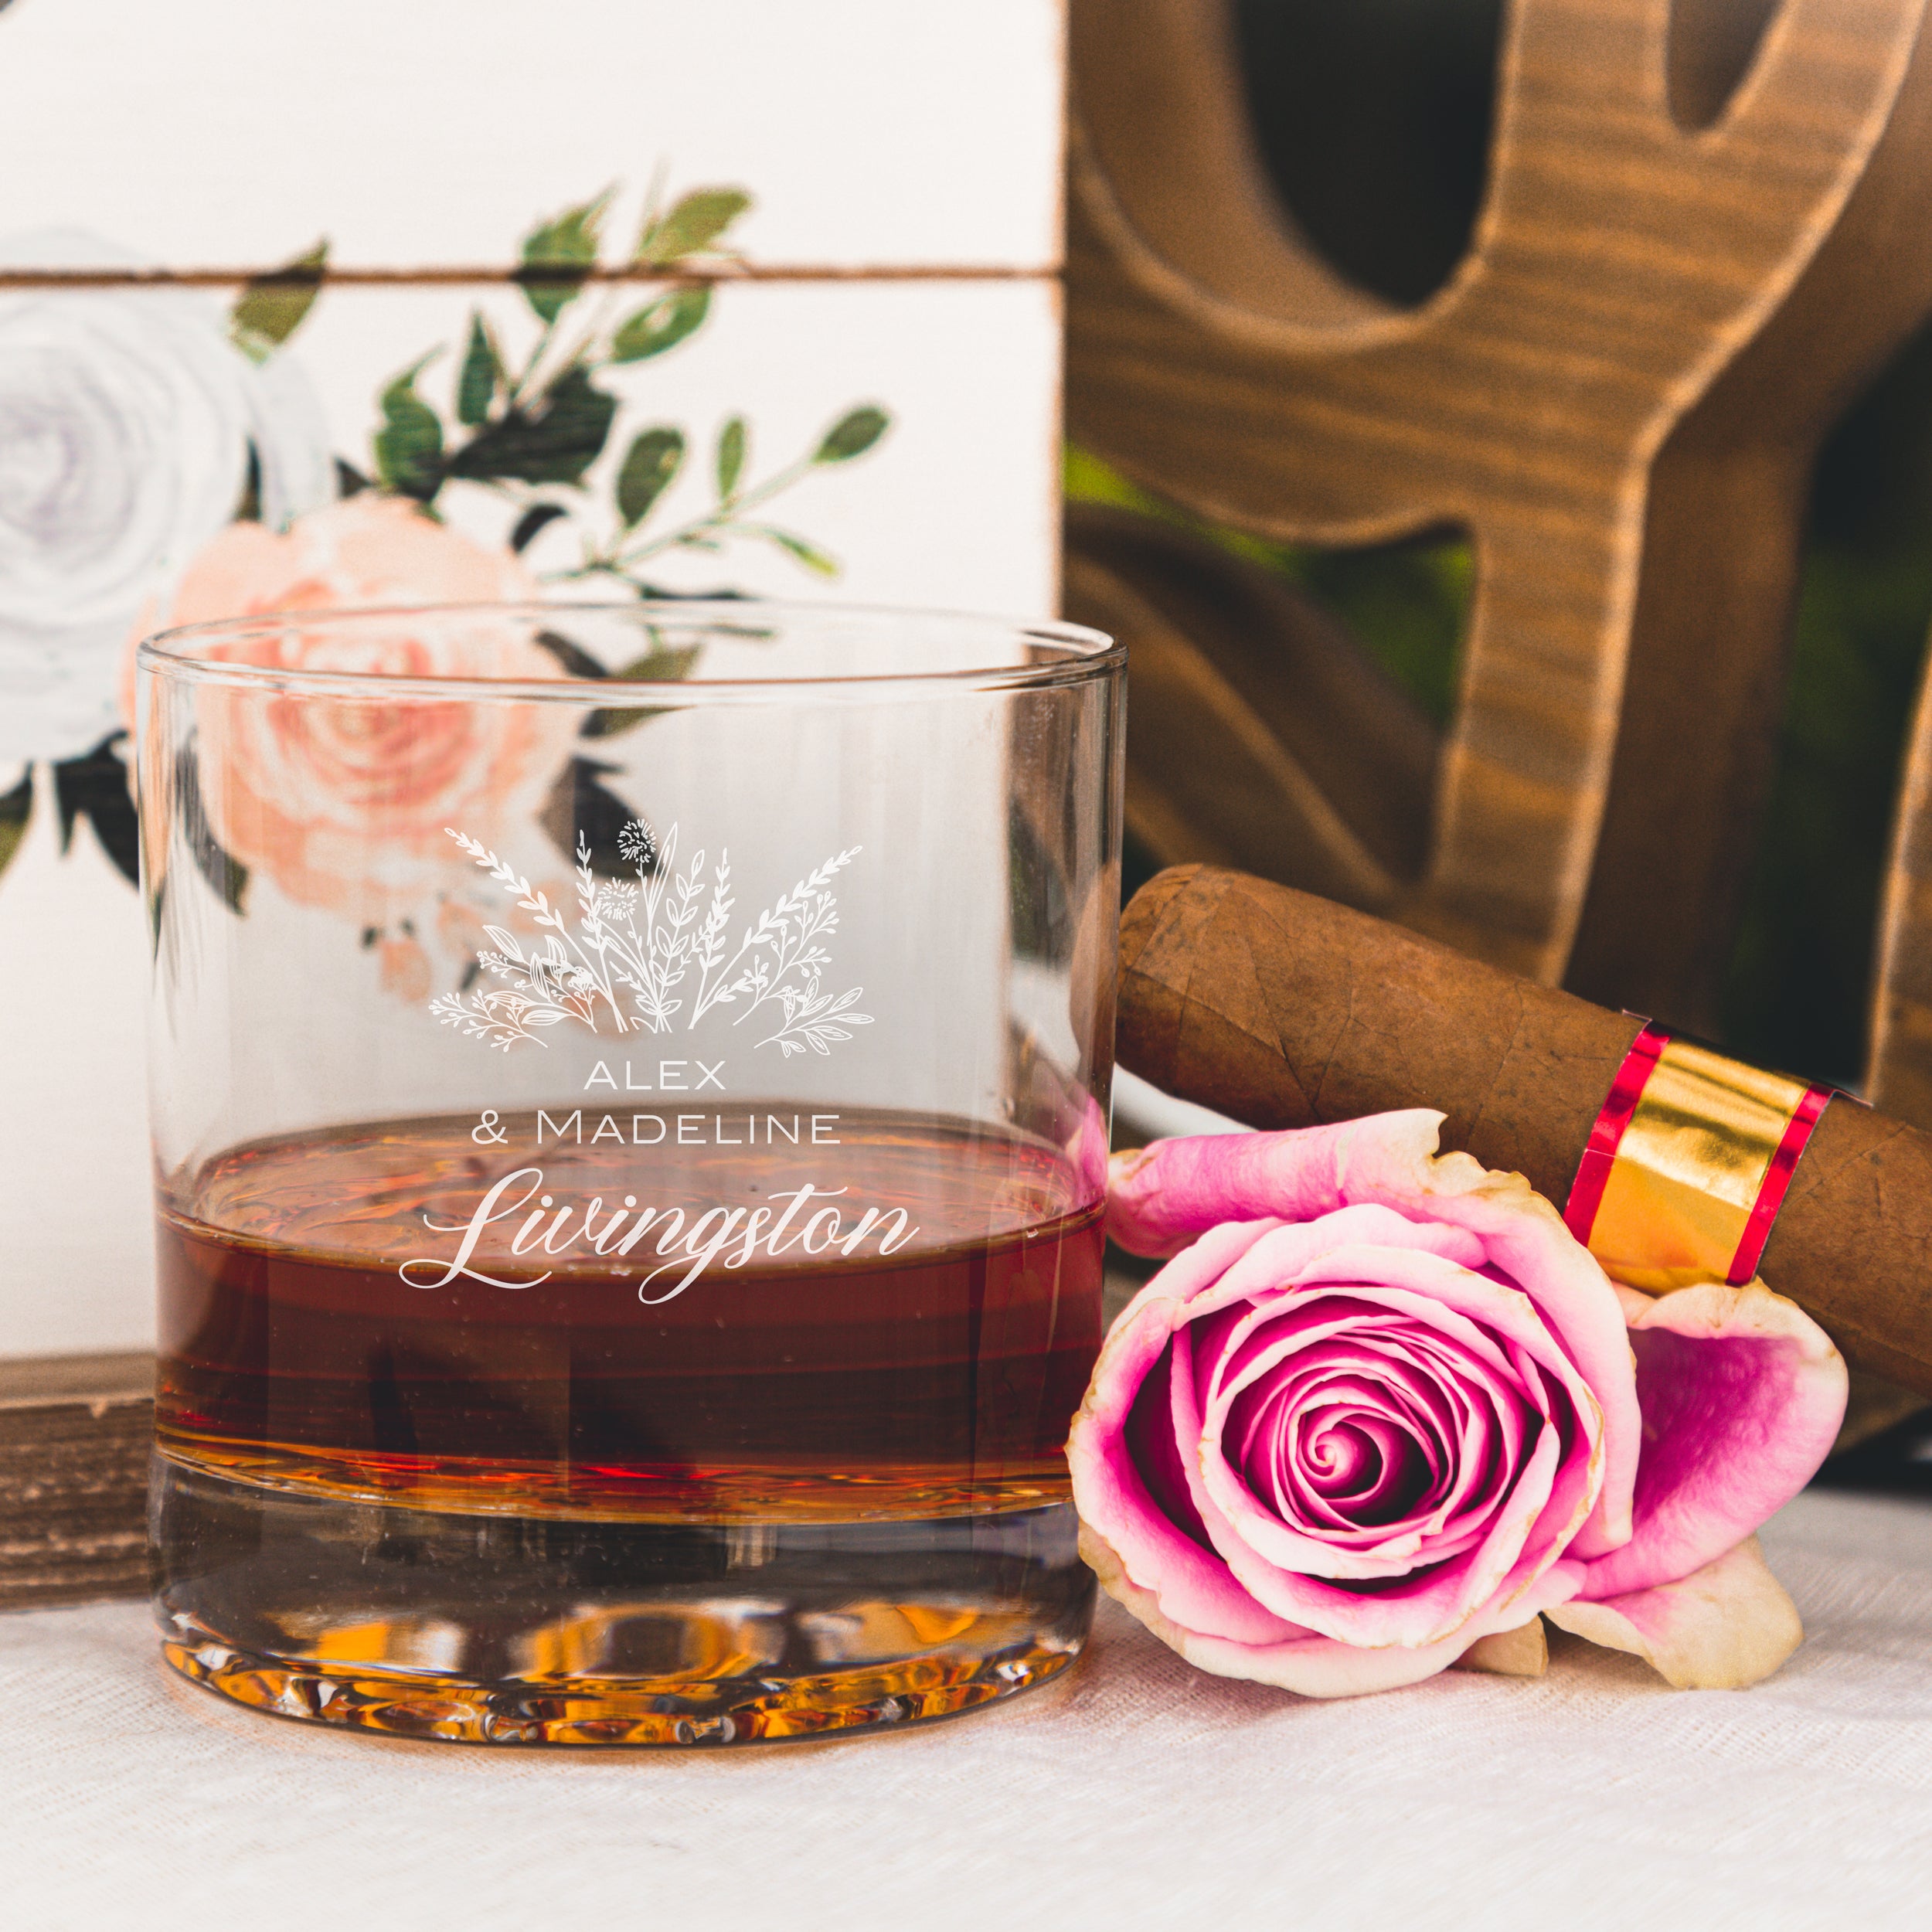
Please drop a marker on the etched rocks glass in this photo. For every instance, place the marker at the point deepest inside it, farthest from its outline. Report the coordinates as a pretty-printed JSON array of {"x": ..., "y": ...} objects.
[{"x": 629, "y": 1092}]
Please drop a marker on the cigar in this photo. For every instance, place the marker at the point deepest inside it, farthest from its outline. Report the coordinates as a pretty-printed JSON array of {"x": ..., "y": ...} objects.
[{"x": 1283, "y": 1010}]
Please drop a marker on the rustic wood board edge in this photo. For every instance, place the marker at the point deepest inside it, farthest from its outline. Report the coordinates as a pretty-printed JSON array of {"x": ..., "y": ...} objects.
[{"x": 75, "y": 1435}]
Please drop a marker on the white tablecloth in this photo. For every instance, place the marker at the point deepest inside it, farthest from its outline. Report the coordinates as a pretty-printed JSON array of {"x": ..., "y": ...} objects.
[{"x": 1135, "y": 1792}]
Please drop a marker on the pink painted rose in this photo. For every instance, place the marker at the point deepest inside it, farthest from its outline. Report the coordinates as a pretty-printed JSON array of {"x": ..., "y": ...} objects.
[
  {"x": 1381, "y": 1412},
  {"x": 405, "y": 967},
  {"x": 344, "y": 804}
]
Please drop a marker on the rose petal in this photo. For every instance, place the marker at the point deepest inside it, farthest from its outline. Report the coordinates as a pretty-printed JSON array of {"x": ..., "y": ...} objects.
[
  {"x": 1510, "y": 1314},
  {"x": 1424, "y": 1608},
  {"x": 1312, "y": 1666},
  {"x": 1160, "y": 1196},
  {"x": 1742, "y": 1394},
  {"x": 1229, "y": 1272},
  {"x": 1522, "y": 1652},
  {"x": 1723, "y": 1627},
  {"x": 1468, "y": 1310},
  {"x": 1200, "y": 1266},
  {"x": 1193, "y": 1585},
  {"x": 1156, "y": 1456},
  {"x": 1375, "y": 1363},
  {"x": 1357, "y": 1551}
]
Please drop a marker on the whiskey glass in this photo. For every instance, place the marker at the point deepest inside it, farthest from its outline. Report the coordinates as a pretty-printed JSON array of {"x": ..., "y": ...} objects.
[{"x": 630, "y": 1090}]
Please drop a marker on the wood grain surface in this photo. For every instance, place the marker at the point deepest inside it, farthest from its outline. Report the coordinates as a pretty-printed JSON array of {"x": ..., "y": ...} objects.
[
  {"x": 75, "y": 1435},
  {"x": 1717, "y": 586},
  {"x": 1261, "y": 735},
  {"x": 1622, "y": 264},
  {"x": 1898, "y": 1061}
]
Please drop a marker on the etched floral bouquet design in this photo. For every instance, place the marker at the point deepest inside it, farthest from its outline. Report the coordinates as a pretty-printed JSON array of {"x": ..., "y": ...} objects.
[{"x": 641, "y": 953}]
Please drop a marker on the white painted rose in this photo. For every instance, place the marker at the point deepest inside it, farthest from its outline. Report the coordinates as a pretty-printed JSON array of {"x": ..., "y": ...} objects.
[{"x": 126, "y": 417}]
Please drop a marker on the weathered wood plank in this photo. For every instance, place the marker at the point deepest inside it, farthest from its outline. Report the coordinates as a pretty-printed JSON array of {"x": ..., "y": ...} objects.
[
  {"x": 433, "y": 135},
  {"x": 75, "y": 1435}
]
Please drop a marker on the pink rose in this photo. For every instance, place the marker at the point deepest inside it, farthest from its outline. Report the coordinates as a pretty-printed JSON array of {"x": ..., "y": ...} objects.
[
  {"x": 404, "y": 968},
  {"x": 344, "y": 803},
  {"x": 1382, "y": 1410}
]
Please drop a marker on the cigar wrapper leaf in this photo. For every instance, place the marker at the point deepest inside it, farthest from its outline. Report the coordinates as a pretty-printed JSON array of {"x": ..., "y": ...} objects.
[{"x": 1284, "y": 1010}]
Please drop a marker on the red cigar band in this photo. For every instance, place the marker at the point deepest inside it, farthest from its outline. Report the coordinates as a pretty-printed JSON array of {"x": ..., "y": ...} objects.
[
  {"x": 1687, "y": 1163},
  {"x": 1777, "y": 1178},
  {"x": 1600, "y": 1151}
]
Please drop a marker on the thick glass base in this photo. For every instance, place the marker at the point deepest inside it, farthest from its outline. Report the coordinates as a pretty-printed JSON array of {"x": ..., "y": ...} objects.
[{"x": 513, "y": 1629}]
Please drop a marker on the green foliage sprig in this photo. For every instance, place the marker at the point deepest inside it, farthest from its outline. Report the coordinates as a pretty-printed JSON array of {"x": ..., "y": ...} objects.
[
  {"x": 529, "y": 430},
  {"x": 540, "y": 426},
  {"x": 270, "y": 308},
  {"x": 654, "y": 459}
]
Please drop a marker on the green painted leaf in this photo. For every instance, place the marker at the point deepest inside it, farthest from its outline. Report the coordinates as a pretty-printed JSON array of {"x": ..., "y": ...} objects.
[
  {"x": 571, "y": 655},
  {"x": 549, "y": 296},
  {"x": 224, "y": 873},
  {"x": 647, "y": 470},
  {"x": 571, "y": 238},
  {"x": 16, "y": 808},
  {"x": 814, "y": 559},
  {"x": 98, "y": 787},
  {"x": 567, "y": 246},
  {"x": 555, "y": 443},
  {"x": 665, "y": 664},
  {"x": 581, "y": 806},
  {"x": 269, "y": 308},
  {"x": 661, "y": 326},
  {"x": 853, "y": 434},
  {"x": 409, "y": 446},
  {"x": 538, "y": 517},
  {"x": 731, "y": 441},
  {"x": 482, "y": 371},
  {"x": 697, "y": 222},
  {"x": 248, "y": 506}
]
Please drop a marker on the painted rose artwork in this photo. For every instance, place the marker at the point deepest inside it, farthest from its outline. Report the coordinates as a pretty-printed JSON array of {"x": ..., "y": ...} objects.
[
  {"x": 131, "y": 428},
  {"x": 1381, "y": 1413},
  {"x": 164, "y": 461},
  {"x": 345, "y": 806}
]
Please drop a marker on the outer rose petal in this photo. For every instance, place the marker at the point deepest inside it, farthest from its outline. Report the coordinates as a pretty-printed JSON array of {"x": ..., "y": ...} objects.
[
  {"x": 1192, "y": 1585},
  {"x": 1723, "y": 1627},
  {"x": 1742, "y": 1394},
  {"x": 1313, "y": 1666},
  {"x": 1431, "y": 1606},
  {"x": 1522, "y": 1652},
  {"x": 1296, "y": 1247},
  {"x": 1160, "y": 1197}
]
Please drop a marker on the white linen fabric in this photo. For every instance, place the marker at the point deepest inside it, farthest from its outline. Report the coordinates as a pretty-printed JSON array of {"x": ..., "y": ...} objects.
[{"x": 1137, "y": 1793}]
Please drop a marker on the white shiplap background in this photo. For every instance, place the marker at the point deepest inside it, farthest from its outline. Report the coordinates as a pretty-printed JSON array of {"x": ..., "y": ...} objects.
[{"x": 919, "y": 144}]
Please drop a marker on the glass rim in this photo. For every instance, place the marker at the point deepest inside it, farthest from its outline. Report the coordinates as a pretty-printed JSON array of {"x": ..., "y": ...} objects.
[{"x": 1087, "y": 654}]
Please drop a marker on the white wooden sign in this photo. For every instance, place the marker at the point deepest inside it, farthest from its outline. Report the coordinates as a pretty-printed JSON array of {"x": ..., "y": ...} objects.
[
  {"x": 898, "y": 168},
  {"x": 874, "y": 133}
]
